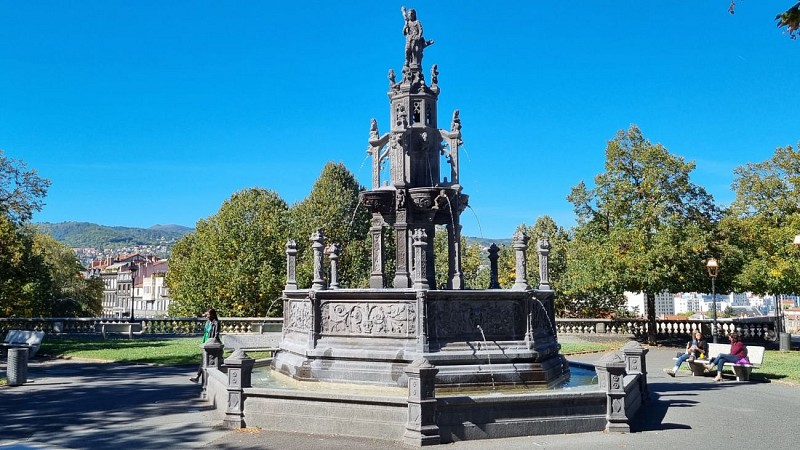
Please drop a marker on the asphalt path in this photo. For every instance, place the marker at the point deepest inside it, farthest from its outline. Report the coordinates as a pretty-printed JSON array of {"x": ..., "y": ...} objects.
[{"x": 89, "y": 405}]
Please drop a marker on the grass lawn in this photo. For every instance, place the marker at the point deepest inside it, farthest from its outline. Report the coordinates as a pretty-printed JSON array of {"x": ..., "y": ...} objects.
[
  {"x": 779, "y": 366},
  {"x": 572, "y": 348},
  {"x": 167, "y": 351}
]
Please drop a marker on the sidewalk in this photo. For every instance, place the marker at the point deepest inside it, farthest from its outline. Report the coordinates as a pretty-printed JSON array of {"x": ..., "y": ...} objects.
[{"x": 81, "y": 405}]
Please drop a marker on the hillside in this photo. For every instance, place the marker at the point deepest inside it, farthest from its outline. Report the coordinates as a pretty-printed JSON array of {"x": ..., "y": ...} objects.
[{"x": 83, "y": 234}]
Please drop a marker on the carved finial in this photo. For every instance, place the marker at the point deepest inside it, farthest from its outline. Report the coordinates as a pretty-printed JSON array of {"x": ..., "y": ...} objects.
[
  {"x": 373, "y": 129},
  {"x": 434, "y": 74},
  {"x": 392, "y": 81},
  {"x": 455, "y": 125}
]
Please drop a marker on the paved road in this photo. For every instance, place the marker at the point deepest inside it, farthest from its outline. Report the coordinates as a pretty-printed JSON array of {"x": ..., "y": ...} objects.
[{"x": 82, "y": 405}]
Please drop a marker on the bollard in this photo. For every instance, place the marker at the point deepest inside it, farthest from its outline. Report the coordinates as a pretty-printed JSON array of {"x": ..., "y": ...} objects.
[
  {"x": 17, "y": 370},
  {"x": 785, "y": 342}
]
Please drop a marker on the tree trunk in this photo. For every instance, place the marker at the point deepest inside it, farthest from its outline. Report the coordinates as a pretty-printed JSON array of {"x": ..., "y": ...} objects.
[{"x": 650, "y": 298}]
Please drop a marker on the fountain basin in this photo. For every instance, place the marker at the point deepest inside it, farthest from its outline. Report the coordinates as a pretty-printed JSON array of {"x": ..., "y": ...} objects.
[{"x": 280, "y": 403}]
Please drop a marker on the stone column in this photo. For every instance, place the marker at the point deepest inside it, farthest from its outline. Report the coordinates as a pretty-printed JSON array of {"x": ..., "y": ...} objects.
[
  {"x": 376, "y": 280},
  {"x": 610, "y": 376},
  {"x": 240, "y": 369},
  {"x": 318, "y": 245},
  {"x": 401, "y": 276},
  {"x": 420, "y": 259},
  {"x": 212, "y": 358},
  {"x": 333, "y": 254},
  {"x": 636, "y": 364},
  {"x": 544, "y": 265},
  {"x": 520, "y": 245},
  {"x": 421, "y": 428},
  {"x": 291, "y": 266},
  {"x": 455, "y": 276},
  {"x": 493, "y": 255}
]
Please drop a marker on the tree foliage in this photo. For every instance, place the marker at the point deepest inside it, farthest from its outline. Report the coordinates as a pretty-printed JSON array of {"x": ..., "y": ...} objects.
[
  {"x": 760, "y": 226},
  {"x": 22, "y": 191},
  {"x": 333, "y": 207},
  {"x": 234, "y": 261},
  {"x": 644, "y": 226}
]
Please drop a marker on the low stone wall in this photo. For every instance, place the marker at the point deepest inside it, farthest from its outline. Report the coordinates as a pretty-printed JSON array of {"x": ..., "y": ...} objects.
[{"x": 420, "y": 417}]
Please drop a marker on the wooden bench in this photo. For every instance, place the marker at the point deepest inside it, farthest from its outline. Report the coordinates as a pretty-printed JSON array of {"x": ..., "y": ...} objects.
[
  {"x": 742, "y": 372},
  {"x": 125, "y": 328},
  {"x": 31, "y": 340}
]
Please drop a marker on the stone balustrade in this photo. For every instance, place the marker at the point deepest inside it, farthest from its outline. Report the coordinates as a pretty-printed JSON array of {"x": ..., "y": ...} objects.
[
  {"x": 169, "y": 326},
  {"x": 753, "y": 329}
]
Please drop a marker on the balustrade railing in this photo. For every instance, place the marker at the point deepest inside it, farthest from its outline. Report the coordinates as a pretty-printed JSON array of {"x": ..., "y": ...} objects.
[
  {"x": 750, "y": 328},
  {"x": 171, "y": 326}
]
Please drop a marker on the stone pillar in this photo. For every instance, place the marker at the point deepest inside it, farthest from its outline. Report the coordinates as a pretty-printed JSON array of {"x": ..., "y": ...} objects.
[
  {"x": 544, "y": 264},
  {"x": 520, "y": 245},
  {"x": 333, "y": 253},
  {"x": 376, "y": 280},
  {"x": 240, "y": 369},
  {"x": 212, "y": 357},
  {"x": 493, "y": 255},
  {"x": 455, "y": 277},
  {"x": 420, "y": 259},
  {"x": 636, "y": 364},
  {"x": 291, "y": 266},
  {"x": 318, "y": 245},
  {"x": 401, "y": 276},
  {"x": 421, "y": 428},
  {"x": 610, "y": 376}
]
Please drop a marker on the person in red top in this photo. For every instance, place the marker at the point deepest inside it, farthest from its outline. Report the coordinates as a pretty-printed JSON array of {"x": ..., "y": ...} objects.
[{"x": 737, "y": 353}]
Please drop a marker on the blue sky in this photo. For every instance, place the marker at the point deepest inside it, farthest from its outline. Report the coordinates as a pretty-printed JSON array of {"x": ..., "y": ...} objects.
[{"x": 156, "y": 112}]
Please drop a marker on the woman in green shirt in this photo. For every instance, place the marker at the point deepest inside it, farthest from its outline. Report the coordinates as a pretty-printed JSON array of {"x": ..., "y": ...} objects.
[{"x": 210, "y": 331}]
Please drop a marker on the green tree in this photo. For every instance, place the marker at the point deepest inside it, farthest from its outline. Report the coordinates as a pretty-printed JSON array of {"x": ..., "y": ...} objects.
[
  {"x": 234, "y": 261},
  {"x": 22, "y": 191},
  {"x": 649, "y": 228},
  {"x": 759, "y": 228},
  {"x": 333, "y": 207},
  {"x": 63, "y": 290}
]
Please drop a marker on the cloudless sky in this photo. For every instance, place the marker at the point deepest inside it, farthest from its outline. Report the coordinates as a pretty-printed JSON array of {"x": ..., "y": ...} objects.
[{"x": 154, "y": 112}]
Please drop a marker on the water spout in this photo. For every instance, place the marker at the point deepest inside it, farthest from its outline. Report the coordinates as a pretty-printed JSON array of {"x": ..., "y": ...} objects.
[{"x": 488, "y": 355}]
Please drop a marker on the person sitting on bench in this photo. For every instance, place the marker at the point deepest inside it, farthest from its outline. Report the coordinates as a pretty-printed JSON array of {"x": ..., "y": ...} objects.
[
  {"x": 697, "y": 348},
  {"x": 737, "y": 355}
]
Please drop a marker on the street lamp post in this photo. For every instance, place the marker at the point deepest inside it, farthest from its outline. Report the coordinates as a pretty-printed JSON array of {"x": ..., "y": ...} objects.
[
  {"x": 713, "y": 269},
  {"x": 133, "y": 270}
]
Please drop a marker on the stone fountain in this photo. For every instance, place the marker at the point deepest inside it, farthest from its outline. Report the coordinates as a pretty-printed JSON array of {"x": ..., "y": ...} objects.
[
  {"x": 474, "y": 337},
  {"x": 402, "y": 359}
]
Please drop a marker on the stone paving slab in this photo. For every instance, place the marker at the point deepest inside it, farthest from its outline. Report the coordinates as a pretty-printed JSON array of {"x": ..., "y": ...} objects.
[{"x": 87, "y": 405}]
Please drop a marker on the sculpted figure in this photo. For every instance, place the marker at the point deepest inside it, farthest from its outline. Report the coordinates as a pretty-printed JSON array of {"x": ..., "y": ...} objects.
[
  {"x": 415, "y": 43},
  {"x": 435, "y": 74},
  {"x": 391, "y": 78},
  {"x": 455, "y": 125}
]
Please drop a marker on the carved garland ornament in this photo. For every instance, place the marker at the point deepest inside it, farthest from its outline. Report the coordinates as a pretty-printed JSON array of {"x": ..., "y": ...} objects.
[
  {"x": 398, "y": 319},
  {"x": 299, "y": 316}
]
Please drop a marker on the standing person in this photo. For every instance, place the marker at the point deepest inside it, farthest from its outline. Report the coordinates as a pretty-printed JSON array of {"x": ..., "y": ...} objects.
[
  {"x": 697, "y": 348},
  {"x": 738, "y": 354},
  {"x": 210, "y": 331}
]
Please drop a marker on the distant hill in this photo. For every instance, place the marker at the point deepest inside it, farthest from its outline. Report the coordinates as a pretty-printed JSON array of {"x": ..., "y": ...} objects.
[
  {"x": 84, "y": 234},
  {"x": 485, "y": 242}
]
